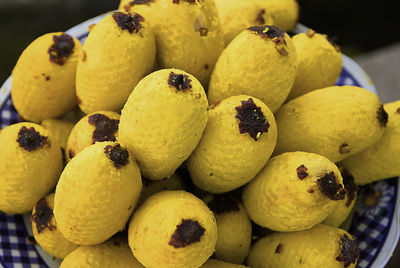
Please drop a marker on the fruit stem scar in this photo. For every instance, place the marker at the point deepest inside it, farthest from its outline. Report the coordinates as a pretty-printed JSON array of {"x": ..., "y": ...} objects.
[
  {"x": 330, "y": 188},
  {"x": 383, "y": 116},
  {"x": 251, "y": 119},
  {"x": 128, "y": 21},
  {"x": 117, "y": 154},
  {"x": 301, "y": 172},
  {"x": 344, "y": 148},
  {"x": 61, "y": 49},
  {"x": 186, "y": 233},
  {"x": 223, "y": 203},
  {"x": 30, "y": 139},
  {"x": 180, "y": 81},
  {"x": 278, "y": 249},
  {"x": 106, "y": 128},
  {"x": 42, "y": 216},
  {"x": 349, "y": 252},
  {"x": 310, "y": 33}
]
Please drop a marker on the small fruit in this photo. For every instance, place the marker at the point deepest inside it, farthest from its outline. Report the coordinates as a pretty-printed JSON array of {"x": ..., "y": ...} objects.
[
  {"x": 345, "y": 206},
  {"x": 234, "y": 229},
  {"x": 95, "y": 127},
  {"x": 335, "y": 122},
  {"x": 294, "y": 192},
  {"x": 175, "y": 182},
  {"x": 97, "y": 193},
  {"x": 236, "y": 16},
  {"x": 172, "y": 229},
  {"x": 320, "y": 246},
  {"x": 239, "y": 138},
  {"x": 239, "y": 69},
  {"x": 30, "y": 165},
  {"x": 382, "y": 158},
  {"x": 118, "y": 52},
  {"x": 163, "y": 120},
  {"x": 60, "y": 130},
  {"x": 196, "y": 21},
  {"x": 112, "y": 253},
  {"x": 45, "y": 231},
  {"x": 43, "y": 84},
  {"x": 319, "y": 63}
]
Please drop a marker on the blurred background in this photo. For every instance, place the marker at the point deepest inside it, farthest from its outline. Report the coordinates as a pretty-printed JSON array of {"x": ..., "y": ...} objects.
[{"x": 367, "y": 31}]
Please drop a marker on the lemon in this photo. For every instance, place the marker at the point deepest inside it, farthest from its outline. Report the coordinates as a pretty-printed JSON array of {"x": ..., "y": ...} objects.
[
  {"x": 294, "y": 192},
  {"x": 320, "y": 246},
  {"x": 114, "y": 253},
  {"x": 43, "y": 84},
  {"x": 45, "y": 231},
  {"x": 335, "y": 122},
  {"x": 382, "y": 158},
  {"x": 239, "y": 139},
  {"x": 236, "y": 16},
  {"x": 163, "y": 120},
  {"x": 239, "y": 69},
  {"x": 97, "y": 193},
  {"x": 95, "y": 127},
  {"x": 30, "y": 165},
  {"x": 118, "y": 52},
  {"x": 172, "y": 229},
  {"x": 196, "y": 21}
]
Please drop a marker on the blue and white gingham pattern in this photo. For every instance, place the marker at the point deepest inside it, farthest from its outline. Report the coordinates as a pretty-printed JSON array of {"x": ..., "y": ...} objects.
[
  {"x": 370, "y": 225},
  {"x": 15, "y": 250}
]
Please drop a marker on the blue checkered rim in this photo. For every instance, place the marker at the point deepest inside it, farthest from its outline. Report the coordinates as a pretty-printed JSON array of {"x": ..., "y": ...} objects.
[{"x": 373, "y": 226}]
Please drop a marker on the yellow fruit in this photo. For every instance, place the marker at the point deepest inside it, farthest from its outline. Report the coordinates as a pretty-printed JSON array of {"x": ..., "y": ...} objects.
[
  {"x": 30, "y": 165},
  {"x": 97, "y": 193},
  {"x": 60, "y": 130},
  {"x": 118, "y": 52},
  {"x": 285, "y": 13},
  {"x": 175, "y": 182},
  {"x": 234, "y": 229},
  {"x": 45, "y": 231},
  {"x": 239, "y": 69},
  {"x": 43, "y": 84},
  {"x": 294, "y": 192},
  {"x": 188, "y": 33},
  {"x": 382, "y": 160},
  {"x": 345, "y": 206},
  {"x": 335, "y": 122},
  {"x": 172, "y": 229},
  {"x": 163, "y": 120},
  {"x": 236, "y": 16},
  {"x": 319, "y": 63},
  {"x": 239, "y": 139},
  {"x": 321, "y": 246},
  {"x": 220, "y": 264},
  {"x": 114, "y": 253},
  {"x": 95, "y": 127}
]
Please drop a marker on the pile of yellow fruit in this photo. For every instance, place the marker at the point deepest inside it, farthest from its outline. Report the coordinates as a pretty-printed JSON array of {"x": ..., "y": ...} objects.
[{"x": 198, "y": 120}]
